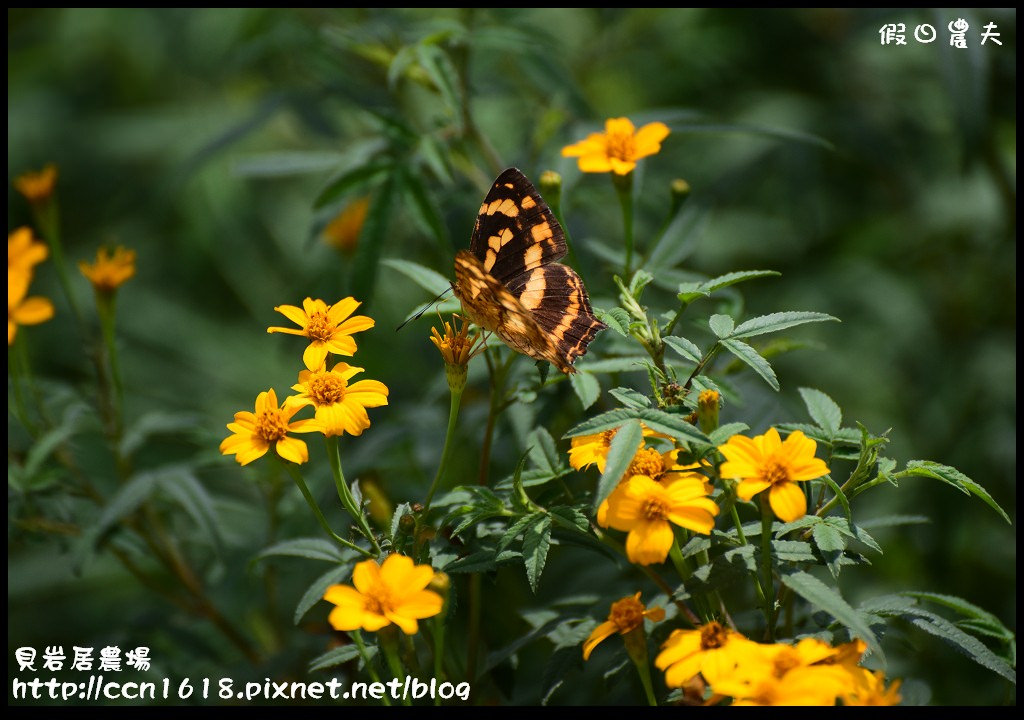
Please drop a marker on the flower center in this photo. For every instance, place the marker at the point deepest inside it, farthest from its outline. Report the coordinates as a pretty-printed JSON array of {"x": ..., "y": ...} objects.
[
  {"x": 775, "y": 472},
  {"x": 646, "y": 462},
  {"x": 712, "y": 636},
  {"x": 654, "y": 509},
  {"x": 621, "y": 146},
  {"x": 327, "y": 389},
  {"x": 271, "y": 425},
  {"x": 318, "y": 327},
  {"x": 627, "y": 614},
  {"x": 378, "y": 600},
  {"x": 786, "y": 660}
]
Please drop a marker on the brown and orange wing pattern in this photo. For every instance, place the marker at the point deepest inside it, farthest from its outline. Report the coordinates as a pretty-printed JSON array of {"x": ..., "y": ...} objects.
[{"x": 509, "y": 281}]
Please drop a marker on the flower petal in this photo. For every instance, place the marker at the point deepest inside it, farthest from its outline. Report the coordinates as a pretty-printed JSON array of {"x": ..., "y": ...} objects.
[
  {"x": 599, "y": 634},
  {"x": 366, "y": 576},
  {"x": 293, "y": 450},
  {"x": 295, "y": 314},
  {"x": 649, "y": 542},
  {"x": 788, "y": 501},
  {"x": 648, "y": 138}
]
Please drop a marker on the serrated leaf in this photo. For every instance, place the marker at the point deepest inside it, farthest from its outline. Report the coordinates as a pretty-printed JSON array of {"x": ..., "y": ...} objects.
[
  {"x": 658, "y": 420},
  {"x": 337, "y": 656},
  {"x": 396, "y": 518},
  {"x": 751, "y": 357},
  {"x": 822, "y": 409},
  {"x": 885, "y": 521},
  {"x": 831, "y": 544},
  {"x": 621, "y": 451},
  {"x": 630, "y": 397},
  {"x": 830, "y": 601},
  {"x": 49, "y": 441},
  {"x": 310, "y": 548},
  {"x": 536, "y": 542},
  {"x": 599, "y": 423},
  {"x": 482, "y": 561},
  {"x": 778, "y": 321},
  {"x": 840, "y": 495},
  {"x": 192, "y": 496},
  {"x": 641, "y": 279},
  {"x": 722, "y": 433},
  {"x": 952, "y": 476},
  {"x": 128, "y": 498},
  {"x": 684, "y": 347},
  {"x": 542, "y": 450},
  {"x": 722, "y": 281},
  {"x": 795, "y": 551},
  {"x": 586, "y": 387},
  {"x": 969, "y": 645},
  {"x": 315, "y": 592},
  {"x": 966, "y": 609},
  {"x": 637, "y": 363},
  {"x": 572, "y": 516},
  {"x": 516, "y": 528},
  {"x": 721, "y": 325},
  {"x": 616, "y": 318}
]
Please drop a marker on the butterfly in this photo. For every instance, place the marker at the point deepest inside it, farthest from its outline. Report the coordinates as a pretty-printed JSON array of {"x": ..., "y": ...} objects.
[{"x": 510, "y": 283}]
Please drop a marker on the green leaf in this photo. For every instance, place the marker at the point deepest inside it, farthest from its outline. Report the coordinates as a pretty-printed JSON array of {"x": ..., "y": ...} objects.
[
  {"x": 128, "y": 498},
  {"x": 641, "y": 279},
  {"x": 795, "y": 551},
  {"x": 620, "y": 454},
  {"x": 191, "y": 495},
  {"x": 952, "y": 476},
  {"x": 895, "y": 521},
  {"x": 337, "y": 656},
  {"x": 840, "y": 495},
  {"x": 637, "y": 363},
  {"x": 482, "y": 561},
  {"x": 287, "y": 162},
  {"x": 156, "y": 423},
  {"x": 347, "y": 180},
  {"x": 684, "y": 347},
  {"x": 443, "y": 75},
  {"x": 967, "y": 609},
  {"x": 310, "y": 548},
  {"x": 630, "y": 397},
  {"x": 542, "y": 450},
  {"x": 778, "y": 321},
  {"x": 721, "y": 325},
  {"x": 425, "y": 209},
  {"x": 969, "y": 645},
  {"x": 616, "y": 318},
  {"x": 562, "y": 661},
  {"x": 722, "y": 281},
  {"x": 396, "y": 518},
  {"x": 49, "y": 441},
  {"x": 536, "y": 542},
  {"x": 315, "y": 592},
  {"x": 586, "y": 387},
  {"x": 830, "y": 601},
  {"x": 831, "y": 544},
  {"x": 721, "y": 434},
  {"x": 658, "y": 420},
  {"x": 516, "y": 528},
  {"x": 572, "y": 516},
  {"x": 822, "y": 409},
  {"x": 751, "y": 357},
  {"x": 372, "y": 238},
  {"x": 605, "y": 421}
]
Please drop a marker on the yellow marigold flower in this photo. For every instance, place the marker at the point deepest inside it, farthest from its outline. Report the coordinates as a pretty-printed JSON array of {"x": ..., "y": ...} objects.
[
  {"x": 626, "y": 616},
  {"x": 868, "y": 688},
  {"x": 340, "y": 407},
  {"x": 590, "y": 450},
  {"x": 393, "y": 592},
  {"x": 22, "y": 310},
  {"x": 343, "y": 231},
  {"x": 111, "y": 270},
  {"x": 328, "y": 327},
  {"x": 712, "y": 650},
  {"x": 660, "y": 466},
  {"x": 807, "y": 685},
  {"x": 647, "y": 509},
  {"x": 37, "y": 186},
  {"x": 618, "y": 148},
  {"x": 767, "y": 462},
  {"x": 24, "y": 252},
  {"x": 456, "y": 347},
  {"x": 254, "y": 433}
]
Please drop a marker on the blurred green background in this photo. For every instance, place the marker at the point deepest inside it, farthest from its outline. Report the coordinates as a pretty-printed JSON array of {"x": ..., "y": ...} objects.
[{"x": 879, "y": 180}]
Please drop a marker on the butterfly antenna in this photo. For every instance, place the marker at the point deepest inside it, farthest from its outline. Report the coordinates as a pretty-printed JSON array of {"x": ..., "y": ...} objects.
[{"x": 423, "y": 310}]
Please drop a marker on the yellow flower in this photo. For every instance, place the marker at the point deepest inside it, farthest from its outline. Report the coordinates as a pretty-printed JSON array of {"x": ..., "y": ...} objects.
[
  {"x": 328, "y": 327},
  {"x": 767, "y": 462},
  {"x": 343, "y": 231},
  {"x": 37, "y": 186},
  {"x": 254, "y": 433},
  {"x": 22, "y": 310},
  {"x": 590, "y": 450},
  {"x": 661, "y": 466},
  {"x": 383, "y": 594},
  {"x": 457, "y": 348},
  {"x": 340, "y": 407},
  {"x": 712, "y": 650},
  {"x": 647, "y": 509},
  {"x": 626, "y": 616},
  {"x": 618, "y": 148},
  {"x": 868, "y": 688},
  {"x": 806, "y": 685},
  {"x": 24, "y": 252},
  {"x": 109, "y": 271}
]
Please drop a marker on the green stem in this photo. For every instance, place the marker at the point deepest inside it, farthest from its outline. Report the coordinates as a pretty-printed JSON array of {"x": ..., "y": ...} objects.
[
  {"x": 47, "y": 217},
  {"x": 345, "y": 495},
  {"x": 304, "y": 489},
  {"x": 107, "y": 309},
  {"x": 766, "y": 566},
  {"x": 636, "y": 648},
  {"x": 743, "y": 540},
  {"x": 624, "y": 189},
  {"x": 358, "y": 638},
  {"x": 387, "y": 643},
  {"x": 453, "y": 416},
  {"x": 17, "y": 362}
]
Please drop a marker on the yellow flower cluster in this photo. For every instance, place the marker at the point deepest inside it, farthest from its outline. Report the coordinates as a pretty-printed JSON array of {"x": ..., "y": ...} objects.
[
  {"x": 24, "y": 252},
  {"x": 111, "y": 269},
  {"x": 715, "y": 662},
  {"x": 339, "y": 406}
]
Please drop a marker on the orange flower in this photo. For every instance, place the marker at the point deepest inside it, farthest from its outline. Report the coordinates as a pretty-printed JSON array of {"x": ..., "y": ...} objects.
[
  {"x": 37, "y": 186},
  {"x": 626, "y": 616},
  {"x": 618, "y": 148},
  {"x": 254, "y": 433},
  {"x": 24, "y": 252},
  {"x": 343, "y": 231},
  {"x": 111, "y": 270},
  {"x": 328, "y": 327},
  {"x": 22, "y": 310}
]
